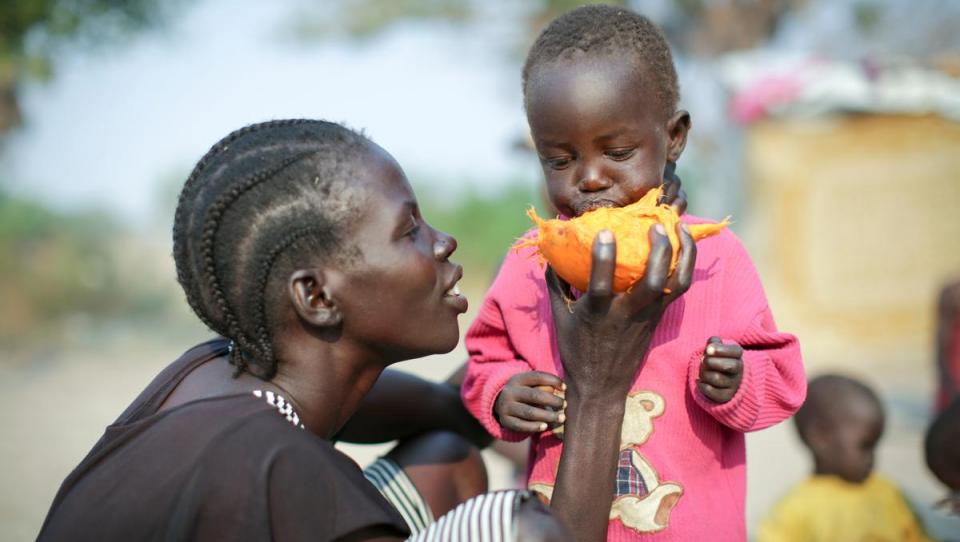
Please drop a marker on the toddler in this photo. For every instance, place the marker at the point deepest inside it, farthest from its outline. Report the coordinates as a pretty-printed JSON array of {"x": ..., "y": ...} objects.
[
  {"x": 841, "y": 423},
  {"x": 600, "y": 91}
]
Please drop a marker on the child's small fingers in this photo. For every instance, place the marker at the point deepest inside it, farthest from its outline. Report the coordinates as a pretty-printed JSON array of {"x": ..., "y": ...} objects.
[
  {"x": 523, "y": 426},
  {"x": 731, "y": 350},
  {"x": 540, "y": 397},
  {"x": 537, "y": 378},
  {"x": 531, "y": 413},
  {"x": 730, "y": 366},
  {"x": 717, "y": 380},
  {"x": 708, "y": 390}
]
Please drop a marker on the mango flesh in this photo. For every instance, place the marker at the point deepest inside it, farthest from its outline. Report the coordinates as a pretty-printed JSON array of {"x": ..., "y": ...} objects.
[{"x": 567, "y": 244}]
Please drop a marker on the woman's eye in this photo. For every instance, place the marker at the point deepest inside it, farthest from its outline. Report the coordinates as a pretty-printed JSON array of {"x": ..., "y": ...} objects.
[
  {"x": 414, "y": 228},
  {"x": 557, "y": 162},
  {"x": 620, "y": 154}
]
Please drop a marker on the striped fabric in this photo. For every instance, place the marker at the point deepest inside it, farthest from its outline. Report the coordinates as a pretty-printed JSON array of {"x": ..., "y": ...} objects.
[
  {"x": 490, "y": 517},
  {"x": 390, "y": 480}
]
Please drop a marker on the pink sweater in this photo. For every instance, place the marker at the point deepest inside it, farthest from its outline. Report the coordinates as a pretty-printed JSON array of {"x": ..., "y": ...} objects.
[{"x": 681, "y": 473}]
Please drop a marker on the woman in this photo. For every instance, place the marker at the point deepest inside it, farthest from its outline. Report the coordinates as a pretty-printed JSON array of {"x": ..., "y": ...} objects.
[{"x": 301, "y": 242}]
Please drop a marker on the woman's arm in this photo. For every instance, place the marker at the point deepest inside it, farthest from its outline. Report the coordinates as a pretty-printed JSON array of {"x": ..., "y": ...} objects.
[
  {"x": 603, "y": 338},
  {"x": 401, "y": 405}
]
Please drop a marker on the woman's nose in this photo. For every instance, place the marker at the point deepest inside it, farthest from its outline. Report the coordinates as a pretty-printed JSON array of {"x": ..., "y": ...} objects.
[{"x": 444, "y": 246}]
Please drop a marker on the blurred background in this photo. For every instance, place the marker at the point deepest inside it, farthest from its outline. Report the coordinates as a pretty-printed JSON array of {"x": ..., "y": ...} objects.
[{"x": 829, "y": 129}]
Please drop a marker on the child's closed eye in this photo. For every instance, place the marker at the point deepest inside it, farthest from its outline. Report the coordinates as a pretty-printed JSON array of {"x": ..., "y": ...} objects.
[
  {"x": 620, "y": 154},
  {"x": 556, "y": 162}
]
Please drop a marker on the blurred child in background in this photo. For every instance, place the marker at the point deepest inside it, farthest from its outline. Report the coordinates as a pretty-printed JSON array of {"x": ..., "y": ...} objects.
[
  {"x": 948, "y": 345},
  {"x": 840, "y": 423},
  {"x": 942, "y": 450}
]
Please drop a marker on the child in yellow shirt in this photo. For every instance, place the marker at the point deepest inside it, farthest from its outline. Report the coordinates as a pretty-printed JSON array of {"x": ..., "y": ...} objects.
[{"x": 840, "y": 423}]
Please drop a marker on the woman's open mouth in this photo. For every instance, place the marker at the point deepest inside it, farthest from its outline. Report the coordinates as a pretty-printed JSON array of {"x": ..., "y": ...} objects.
[{"x": 455, "y": 298}]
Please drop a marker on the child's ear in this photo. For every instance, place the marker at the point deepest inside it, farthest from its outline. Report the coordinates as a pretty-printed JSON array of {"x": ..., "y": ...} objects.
[
  {"x": 312, "y": 299},
  {"x": 818, "y": 440},
  {"x": 678, "y": 126}
]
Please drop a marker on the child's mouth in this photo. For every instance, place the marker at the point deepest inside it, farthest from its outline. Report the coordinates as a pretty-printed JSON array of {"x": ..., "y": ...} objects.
[{"x": 587, "y": 206}]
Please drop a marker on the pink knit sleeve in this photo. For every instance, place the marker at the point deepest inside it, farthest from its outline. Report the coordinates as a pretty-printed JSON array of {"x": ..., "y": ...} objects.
[
  {"x": 492, "y": 362},
  {"x": 773, "y": 385}
]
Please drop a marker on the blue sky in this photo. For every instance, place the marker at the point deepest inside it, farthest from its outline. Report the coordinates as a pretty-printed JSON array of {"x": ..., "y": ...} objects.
[{"x": 116, "y": 123}]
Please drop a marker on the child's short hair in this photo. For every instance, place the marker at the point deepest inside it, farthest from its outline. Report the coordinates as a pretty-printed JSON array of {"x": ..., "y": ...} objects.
[
  {"x": 260, "y": 193},
  {"x": 608, "y": 29},
  {"x": 827, "y": 398}
]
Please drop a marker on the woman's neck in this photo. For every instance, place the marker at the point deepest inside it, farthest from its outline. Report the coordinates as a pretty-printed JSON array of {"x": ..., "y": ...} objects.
[{"x": 326, "y": 384}]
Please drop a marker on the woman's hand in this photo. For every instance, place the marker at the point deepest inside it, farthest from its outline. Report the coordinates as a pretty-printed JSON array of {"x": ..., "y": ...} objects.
[
  {"x": 603, "y": 338},
  {"x": 721, "y": 370},
  {"x": 673, "y": 194},
  {"x": 525, "y": 404}
]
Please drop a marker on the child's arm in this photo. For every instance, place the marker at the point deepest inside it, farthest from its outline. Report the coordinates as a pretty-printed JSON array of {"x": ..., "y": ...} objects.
[
  {"x": 772, "y": 386},
  {"x": 494, "y": 362}
]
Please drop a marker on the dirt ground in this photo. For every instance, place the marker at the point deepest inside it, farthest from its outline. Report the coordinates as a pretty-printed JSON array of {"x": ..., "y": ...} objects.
[{"x": 54, "y": 405}]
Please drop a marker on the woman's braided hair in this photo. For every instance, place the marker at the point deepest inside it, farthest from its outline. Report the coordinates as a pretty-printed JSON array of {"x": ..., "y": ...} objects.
[{"x": 257, "y": 194}]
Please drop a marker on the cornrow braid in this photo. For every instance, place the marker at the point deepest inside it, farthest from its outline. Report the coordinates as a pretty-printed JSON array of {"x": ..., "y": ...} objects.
[
  {"x": 255, "y": 194},
  {"x": 264, "y": 269},
  {"x": 210, "y": 228},
  {"x": 184, "y": 275}
]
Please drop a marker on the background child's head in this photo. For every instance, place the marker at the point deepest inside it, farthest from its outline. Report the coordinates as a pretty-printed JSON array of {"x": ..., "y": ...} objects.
[
  {"x": 601, "y": 93},
  {"x": 942, "y": 449},
  {"x": 841, "y": 422}
]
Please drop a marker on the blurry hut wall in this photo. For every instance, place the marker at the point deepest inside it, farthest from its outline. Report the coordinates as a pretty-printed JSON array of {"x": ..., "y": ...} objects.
[{"x": 857, "y": 222}]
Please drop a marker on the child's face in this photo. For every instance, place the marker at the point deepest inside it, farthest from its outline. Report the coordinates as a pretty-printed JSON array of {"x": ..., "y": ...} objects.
[
  {"x": 847, "y": 449},
  {"x": 602, "y": 136},
  {"x": 397, "y": 300}
]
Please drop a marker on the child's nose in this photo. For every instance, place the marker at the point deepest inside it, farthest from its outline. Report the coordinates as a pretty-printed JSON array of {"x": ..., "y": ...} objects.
[
  {"x": 444, "y": 246},
  {"x": 592, "y": 179}
]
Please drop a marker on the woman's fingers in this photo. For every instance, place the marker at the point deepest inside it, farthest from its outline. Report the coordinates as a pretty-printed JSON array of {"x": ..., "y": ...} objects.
[
  {"x": 658, "y": 267},
  {"x": 682, "y": 278},
  {"x": 671, "y": 188},
  {"x": 561, "y": 300},
  {"x": 602, "y": 265}
]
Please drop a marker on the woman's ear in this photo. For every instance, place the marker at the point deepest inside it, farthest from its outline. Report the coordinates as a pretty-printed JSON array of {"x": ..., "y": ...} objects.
[
  {"x": 678, "y": 126},
  {"x": 312, "y": 299}
]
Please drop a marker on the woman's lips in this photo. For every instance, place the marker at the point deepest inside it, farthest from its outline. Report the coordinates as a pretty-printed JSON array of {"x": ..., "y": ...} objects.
[{"x": 456, "y": 299}]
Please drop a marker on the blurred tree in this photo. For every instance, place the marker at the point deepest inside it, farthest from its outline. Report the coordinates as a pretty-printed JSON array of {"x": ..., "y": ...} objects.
[
  {"x": 365, "y": 18},
  {"x": 55, "y": 265},
  {"x": 31, "y": 31}
]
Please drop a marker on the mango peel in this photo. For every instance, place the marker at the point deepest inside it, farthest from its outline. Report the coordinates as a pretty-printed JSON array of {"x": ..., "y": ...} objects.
[{"x": 567, "y": 244}]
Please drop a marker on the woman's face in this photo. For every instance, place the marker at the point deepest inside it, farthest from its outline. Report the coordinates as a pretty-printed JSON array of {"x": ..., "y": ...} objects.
[{"x": 400, "y": 299}]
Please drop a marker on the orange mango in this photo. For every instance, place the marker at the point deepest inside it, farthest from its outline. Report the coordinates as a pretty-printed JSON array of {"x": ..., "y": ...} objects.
[{"x": 567, "y": 244}]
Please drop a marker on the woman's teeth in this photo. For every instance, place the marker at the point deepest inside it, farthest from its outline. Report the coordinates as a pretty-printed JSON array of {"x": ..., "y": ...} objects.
[{"x": 454, "y": 291}]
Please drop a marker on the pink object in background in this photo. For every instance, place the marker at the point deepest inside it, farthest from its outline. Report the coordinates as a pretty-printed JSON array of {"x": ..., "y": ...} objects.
[{"x": 755, "y": 101}]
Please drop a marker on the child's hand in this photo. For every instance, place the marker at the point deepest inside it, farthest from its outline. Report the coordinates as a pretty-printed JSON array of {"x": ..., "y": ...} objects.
[
  {"x": 522, "y": 404},
  {"x": 721, "y": 370}
]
